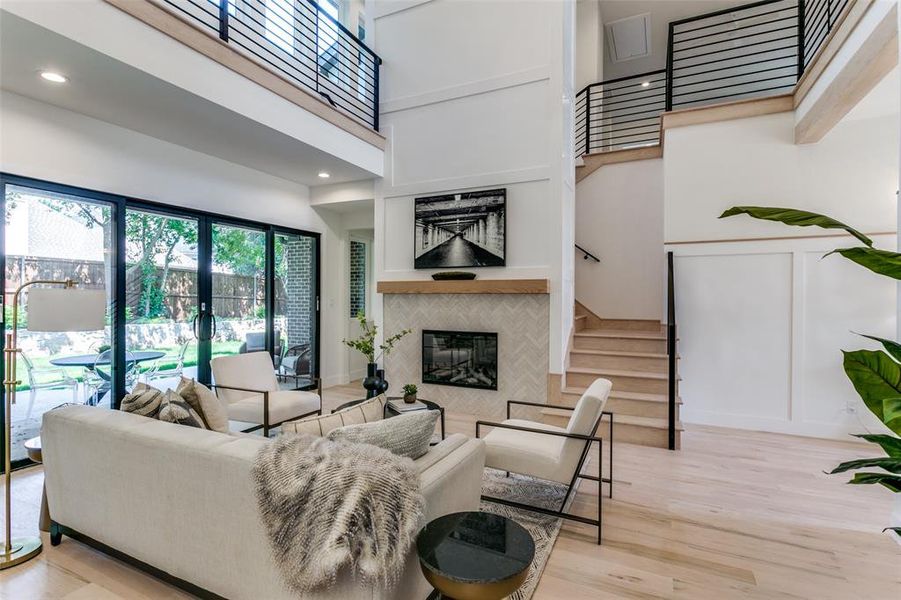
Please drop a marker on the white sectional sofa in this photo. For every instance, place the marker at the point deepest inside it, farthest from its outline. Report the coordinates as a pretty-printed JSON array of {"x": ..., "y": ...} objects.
[{"x": 180, "y": 500}]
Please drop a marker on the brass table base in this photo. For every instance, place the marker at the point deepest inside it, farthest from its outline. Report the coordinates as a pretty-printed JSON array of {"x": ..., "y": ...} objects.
[
  {"x": 458, "y": 590},
  {"x": 22, "y": 549}
]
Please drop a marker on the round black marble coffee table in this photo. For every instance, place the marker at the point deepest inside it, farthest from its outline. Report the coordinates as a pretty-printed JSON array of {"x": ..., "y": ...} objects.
[{"x": 475, "y": 555}]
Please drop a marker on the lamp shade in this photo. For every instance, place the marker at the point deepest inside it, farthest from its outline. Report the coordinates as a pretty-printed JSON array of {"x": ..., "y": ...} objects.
[{"x": 66, "y": 309}]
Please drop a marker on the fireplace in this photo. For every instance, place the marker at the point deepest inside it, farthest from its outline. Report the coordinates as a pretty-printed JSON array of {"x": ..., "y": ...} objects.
[{"x": 460, "y": 358}]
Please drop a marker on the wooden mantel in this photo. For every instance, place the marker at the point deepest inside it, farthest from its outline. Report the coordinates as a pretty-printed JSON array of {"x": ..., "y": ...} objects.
[{"x": 472, "y": 286}]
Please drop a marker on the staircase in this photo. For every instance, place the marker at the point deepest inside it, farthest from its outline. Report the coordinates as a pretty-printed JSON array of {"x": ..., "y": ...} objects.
[{"x": 632, "y": 355}]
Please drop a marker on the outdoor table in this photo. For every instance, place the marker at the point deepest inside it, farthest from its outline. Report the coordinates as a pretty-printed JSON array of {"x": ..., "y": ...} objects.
[{"x": 88, "y": 361}]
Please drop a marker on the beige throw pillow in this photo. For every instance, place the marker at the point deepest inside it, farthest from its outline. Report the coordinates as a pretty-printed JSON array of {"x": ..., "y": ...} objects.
[
  {"x": 404, "y": 435},
  {"x": 365, "y": 412},
  {"x": 205, "y": 402}
]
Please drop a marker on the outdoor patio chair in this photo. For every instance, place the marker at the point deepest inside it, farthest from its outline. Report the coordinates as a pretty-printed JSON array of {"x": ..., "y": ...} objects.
[
  {"x": 296, "y": 362},
  {"x": 46, "y": 378},
  {"x": 255, "y": 341},
  {"x": 98, "y": 380},
  {"x": 553, "y": 453},
  {"x": 157, "y": 372},
  {"x": 248, "y": 386}
]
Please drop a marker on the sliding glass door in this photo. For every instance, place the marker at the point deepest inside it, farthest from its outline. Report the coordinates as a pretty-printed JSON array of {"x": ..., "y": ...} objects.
[
  {"x": 161, "y": 298},
  {"x": 183, "y": 287},
  {"x": 57, "y": 236},
  {"x": 239, "y": 313}
]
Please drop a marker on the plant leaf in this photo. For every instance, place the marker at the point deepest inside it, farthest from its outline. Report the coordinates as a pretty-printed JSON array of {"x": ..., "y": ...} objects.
[
  {"x": 890, "y": 464},
  {"x": 889, "y": 443},
  {"x": 895, "y": 529},
  {"x": 893, "y": 348},
  {"x": 876, "y": 377},
  {"x": 892, "y": 482},
  {"x": 798, "y": 218},
  {"x": 891, "y": 411},
  {"x": 881, "y": 262}
]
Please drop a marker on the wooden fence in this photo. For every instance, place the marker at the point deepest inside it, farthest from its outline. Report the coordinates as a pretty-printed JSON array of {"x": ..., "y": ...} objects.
[{"x": 233, "y": 295}]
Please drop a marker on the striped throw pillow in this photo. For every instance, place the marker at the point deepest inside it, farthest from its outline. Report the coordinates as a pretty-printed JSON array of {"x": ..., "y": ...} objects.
[
  {"x": 174, "y": 409},
  {"x": 143, "y": 400}
]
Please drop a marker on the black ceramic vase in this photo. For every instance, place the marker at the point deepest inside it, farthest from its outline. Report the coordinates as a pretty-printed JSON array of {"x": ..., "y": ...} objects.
[
  {"x": 383, "y": 383},
  {"x": 372, "y": 381}
]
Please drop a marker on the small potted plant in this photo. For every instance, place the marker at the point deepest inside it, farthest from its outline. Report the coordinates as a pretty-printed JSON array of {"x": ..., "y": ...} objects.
[{"x": 410, "y": 393}]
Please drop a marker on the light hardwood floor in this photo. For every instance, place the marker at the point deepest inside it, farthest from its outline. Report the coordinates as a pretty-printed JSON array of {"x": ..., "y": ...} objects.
[{"x": 734, "y": 514}]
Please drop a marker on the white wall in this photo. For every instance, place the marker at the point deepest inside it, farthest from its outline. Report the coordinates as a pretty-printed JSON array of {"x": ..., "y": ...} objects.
[
  {"x": 478, "y": 95},
  {"x": 589, "y": 43},
  {"x": 45, "y": 142},
  {"x": 619, "y": 219},
  {"x": 761, "y": 322}
]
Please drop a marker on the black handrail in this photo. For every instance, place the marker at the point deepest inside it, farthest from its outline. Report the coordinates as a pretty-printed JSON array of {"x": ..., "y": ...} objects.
[
  {"x": 587, "y": 253},
  {"x": 779, "y": 39},
  {"x": 300, "y": 42},
  {"x": 671, "y": 349}
]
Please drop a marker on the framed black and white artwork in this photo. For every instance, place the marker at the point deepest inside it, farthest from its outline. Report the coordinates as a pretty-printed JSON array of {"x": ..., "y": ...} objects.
[{"x": 461, "y": 230}]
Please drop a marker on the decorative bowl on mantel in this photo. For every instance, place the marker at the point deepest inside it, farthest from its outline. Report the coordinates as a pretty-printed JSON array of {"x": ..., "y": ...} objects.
[{"x": 453, "y": 276}]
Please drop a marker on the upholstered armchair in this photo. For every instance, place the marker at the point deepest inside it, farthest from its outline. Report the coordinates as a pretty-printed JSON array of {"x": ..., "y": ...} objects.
[
  {"x": 247, "y": 384},
  {"x": 553, "y": 453}
]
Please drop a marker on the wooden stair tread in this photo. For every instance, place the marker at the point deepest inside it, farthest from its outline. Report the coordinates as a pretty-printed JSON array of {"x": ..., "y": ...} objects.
[
  {"x": 619, "y": 395},
  {"x": 618, "y": 373},
  {"x": 621, "y": 419},
  {"x": 618, "y": 353},
  {"x": 613, "y": 333}
]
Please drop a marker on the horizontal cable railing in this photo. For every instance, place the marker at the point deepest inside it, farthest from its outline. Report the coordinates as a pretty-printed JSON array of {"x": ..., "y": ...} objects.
[
  {"x": 301, "y": 42},
  {"x": 745, "y": 52},
  {"x": 820, "y": 16},
  {"x": 620, "y": 113}
]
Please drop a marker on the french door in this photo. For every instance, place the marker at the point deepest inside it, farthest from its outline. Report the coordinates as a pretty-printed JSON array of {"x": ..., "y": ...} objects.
[{"x": 183, "y": 287}]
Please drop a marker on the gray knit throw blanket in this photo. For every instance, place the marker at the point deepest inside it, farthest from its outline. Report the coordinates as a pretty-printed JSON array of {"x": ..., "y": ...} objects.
[{"x": 332, "y": 506}]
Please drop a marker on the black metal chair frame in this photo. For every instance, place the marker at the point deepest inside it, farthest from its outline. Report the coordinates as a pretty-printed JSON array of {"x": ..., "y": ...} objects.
[
  {"x": 588, "y": 439},
  {"x": 266, "y": 425}
]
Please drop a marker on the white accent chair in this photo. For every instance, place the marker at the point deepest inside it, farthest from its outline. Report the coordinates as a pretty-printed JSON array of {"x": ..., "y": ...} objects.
[
  {"x": 553, "y": 453},
  {"x": 247, "y": 385}
]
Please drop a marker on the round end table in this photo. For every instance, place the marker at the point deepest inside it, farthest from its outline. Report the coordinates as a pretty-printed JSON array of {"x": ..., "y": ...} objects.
[{"x": 475, "y": 555}]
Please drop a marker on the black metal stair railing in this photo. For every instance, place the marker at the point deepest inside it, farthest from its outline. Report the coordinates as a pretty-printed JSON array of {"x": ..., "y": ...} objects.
[
  {"x": 301, "y": 42},
  {"x": 820, "y": 17},
  {"x": 750, "y": 51},
  {"x": 620, "y": 113},
  {"x": 727, "y": 55}
]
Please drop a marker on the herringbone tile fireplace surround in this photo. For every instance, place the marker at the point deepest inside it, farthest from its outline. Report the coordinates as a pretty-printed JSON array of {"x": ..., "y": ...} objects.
[{"x": 521, "y": 322}]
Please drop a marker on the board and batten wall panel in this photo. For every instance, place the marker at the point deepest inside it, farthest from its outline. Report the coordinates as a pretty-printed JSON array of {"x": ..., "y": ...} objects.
[
  {"x": 761, "y": 327},
  {"x": 474, "y": 96}
]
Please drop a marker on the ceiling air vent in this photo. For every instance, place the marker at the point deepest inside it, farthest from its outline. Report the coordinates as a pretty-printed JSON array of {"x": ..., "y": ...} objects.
[{"x": 629, "y": 38}]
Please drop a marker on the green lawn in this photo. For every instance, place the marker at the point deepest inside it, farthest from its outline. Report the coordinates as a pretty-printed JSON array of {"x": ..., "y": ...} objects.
[{"x": 167, "y": 362}]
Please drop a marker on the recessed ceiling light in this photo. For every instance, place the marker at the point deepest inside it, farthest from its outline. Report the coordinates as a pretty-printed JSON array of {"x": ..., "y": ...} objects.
[
  {"x": 645, "y": 83},
  {"x": 324, "y": 175},
  {"x": 54, "y": 77}
]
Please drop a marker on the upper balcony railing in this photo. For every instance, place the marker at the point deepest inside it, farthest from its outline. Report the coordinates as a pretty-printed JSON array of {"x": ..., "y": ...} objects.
[
  {"x": 301, "y": 42},
  {"x": 755, "y": 50}
]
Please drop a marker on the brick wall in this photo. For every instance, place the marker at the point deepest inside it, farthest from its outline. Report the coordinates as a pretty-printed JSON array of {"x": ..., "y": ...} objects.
[
  {"x": 300, "y": 305},
  {"x": 357, "y": 278}
]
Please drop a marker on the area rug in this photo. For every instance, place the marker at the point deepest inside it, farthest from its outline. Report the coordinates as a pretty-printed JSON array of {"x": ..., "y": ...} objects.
[{"x": 544, "y": 529}]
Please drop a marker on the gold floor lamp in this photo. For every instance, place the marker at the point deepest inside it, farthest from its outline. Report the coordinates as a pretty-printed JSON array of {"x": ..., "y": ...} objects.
[{"x": 49, "y": 309}]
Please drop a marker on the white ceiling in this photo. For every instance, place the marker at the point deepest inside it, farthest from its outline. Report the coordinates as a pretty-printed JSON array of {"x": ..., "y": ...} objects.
[
  {"x": 106, "y": 89},
  {"x": 662, "y": 12}
]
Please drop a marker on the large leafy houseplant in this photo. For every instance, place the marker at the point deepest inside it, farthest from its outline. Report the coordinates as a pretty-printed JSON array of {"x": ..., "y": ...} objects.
[{"x": 875, "y": 374}]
